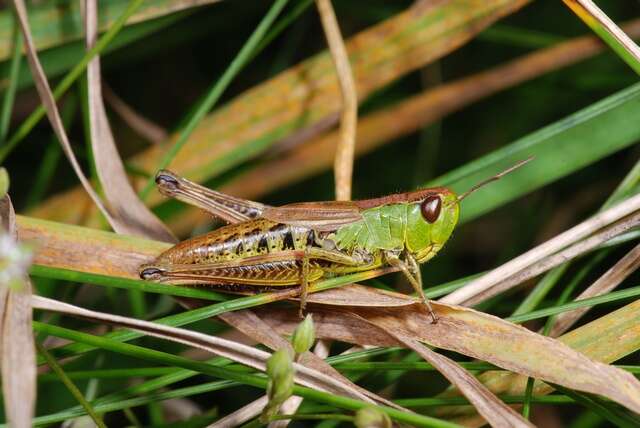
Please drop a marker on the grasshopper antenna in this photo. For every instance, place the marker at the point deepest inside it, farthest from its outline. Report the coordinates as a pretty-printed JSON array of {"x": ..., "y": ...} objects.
[{"x": 495, "y": 178}]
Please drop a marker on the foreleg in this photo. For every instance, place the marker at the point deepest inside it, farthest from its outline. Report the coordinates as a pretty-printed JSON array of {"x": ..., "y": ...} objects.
[{"x": 411, "y": 271}]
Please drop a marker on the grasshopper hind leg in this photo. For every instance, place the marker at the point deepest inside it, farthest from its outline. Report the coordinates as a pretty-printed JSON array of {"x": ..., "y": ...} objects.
[{"x": 411, "y": 271}]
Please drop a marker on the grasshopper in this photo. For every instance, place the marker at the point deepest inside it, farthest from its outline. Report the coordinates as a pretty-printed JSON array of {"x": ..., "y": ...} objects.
[{"x": 266, "y": 248}]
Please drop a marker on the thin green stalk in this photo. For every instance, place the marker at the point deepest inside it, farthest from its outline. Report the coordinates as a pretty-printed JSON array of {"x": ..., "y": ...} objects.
[
  {"x": 14, "y": 71},
  {"x": 281, "y": 25},
  {"x": 460, "y": 401},
  {"x": 541, "y": 290},
  {"x": 44, "y": 173},
  {"x": 52, "y": 154},
  {"x": 216, "y": 91},
  {"x": 136, "y": 401},
  {"x": 131, "y": 417},
  {"x": 109, "y": 373},
  {"x": 70, "y": 386},
  {"x": 519, "y": 37},
  {"x": 125, "y": 396},
  {"x": 591, "y": 301},
  {"x": 528, "y": 393},
  {"x": 446, "y": 288},
  {"x": 604, "y": 408},
  {"x": 313, "y": 417},
  {"x": 69, "y": 79},
  {"x": 247, "y": 379}
]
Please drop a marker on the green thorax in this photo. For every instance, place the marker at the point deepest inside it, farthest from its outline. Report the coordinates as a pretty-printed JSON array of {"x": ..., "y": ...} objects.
[{"x": 398, "y": 227}]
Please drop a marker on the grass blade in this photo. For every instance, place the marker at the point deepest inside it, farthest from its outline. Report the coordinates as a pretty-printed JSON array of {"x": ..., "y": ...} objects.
[
  {"x": 70, "y": 386},
  {"x": 131, "y": 216},
  {"x": 608, "y": 31}
]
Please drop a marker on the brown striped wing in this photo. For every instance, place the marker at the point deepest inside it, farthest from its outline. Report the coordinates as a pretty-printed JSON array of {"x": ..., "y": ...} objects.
[{"x": 321, "y": 216}]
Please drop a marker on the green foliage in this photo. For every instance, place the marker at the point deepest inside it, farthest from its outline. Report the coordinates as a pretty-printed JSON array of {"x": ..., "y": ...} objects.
[{"x": 579, "y": 122}]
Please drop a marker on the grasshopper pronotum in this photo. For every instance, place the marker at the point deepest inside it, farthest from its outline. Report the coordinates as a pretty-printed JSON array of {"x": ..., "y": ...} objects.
[{"x": 267, "y": 247}]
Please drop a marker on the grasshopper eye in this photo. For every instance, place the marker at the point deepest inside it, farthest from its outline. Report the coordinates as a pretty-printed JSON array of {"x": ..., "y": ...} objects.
[{"x": 430, "y": 208}]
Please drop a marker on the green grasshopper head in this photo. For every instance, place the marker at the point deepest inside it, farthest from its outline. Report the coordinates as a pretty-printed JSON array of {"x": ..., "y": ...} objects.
[
  {"x": 431, "y": 220},
  {"x": 430, "y": 223}
]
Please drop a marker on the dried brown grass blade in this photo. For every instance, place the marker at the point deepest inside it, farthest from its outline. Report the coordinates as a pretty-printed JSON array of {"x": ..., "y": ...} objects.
[
  {"x": 606, "y": 339},
  {"x": 144, "y": 127},
  {"x": 494, "y": 411},
  {"x": 17, "y": 351},
  {"x": 343, "y": 164},
  {"x": 241, "y": 415},
  {"x": 493, "y": 282},
  {"x": 133, "y": 217},
  {"x": 569, "y": 253},
  {"x": 255, "y": 327},
  {"x": 254, "y": 408},
  {"x": 477, "y": 335},
  {"x": 42, "y": 85},
  {"x": 589, "y": 12},
  {"x": 237, "y": 352},
  {"x": 607, "y": 282}
]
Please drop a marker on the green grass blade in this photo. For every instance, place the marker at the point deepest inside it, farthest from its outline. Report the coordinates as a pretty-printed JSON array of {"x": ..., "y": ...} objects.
[
  {"x": 591, "y": 301},
  {"x": 218, "y": 372},
  {"x": 216, "y": 91},
  {"x": 70, "y": 386},
  {"x": 583, "y": 138},
  {"x": 69, "y": 79},
  {"x": 10, "y": 93}
]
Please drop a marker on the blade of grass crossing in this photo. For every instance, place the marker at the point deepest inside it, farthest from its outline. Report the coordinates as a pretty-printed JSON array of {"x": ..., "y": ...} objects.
[
  {"x": 216, "y": 91},
  {"x": 68, "y": 80},
  {"x": 70, "y": 385},
  {"x": 252, "y": 380},
  {"x": 544, "y": 286},
  {"x": 606, "y": 298},
  {"x": 14, "y": 71},
  {"x": 608, "y": 31}
]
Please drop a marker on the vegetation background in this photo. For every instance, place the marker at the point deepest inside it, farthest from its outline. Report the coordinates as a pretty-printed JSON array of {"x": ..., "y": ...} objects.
[{"x": 163, "y": 66}]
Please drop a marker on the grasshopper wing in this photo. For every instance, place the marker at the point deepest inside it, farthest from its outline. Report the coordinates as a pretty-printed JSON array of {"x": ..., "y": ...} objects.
[
  {"x": 227, "y": 207},
  {"x": 320, "y": 216}
]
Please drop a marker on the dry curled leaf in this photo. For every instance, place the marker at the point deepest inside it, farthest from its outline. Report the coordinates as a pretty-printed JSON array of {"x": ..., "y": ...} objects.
[
  {"x": 494, "y": 411},
  {"x": 134, "y": 218},
  {"x": 49, "y": 103},
  {"x": 17, "y": 351},
  {"x": 606, "y": 339},
  {"x": 607, "y": 282},
  {"x": 477, "y": 335},
  {"x": 499, "y": 279},
  {"x": 248, "y": 323},
  {"x": 237, "y": 352}
]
